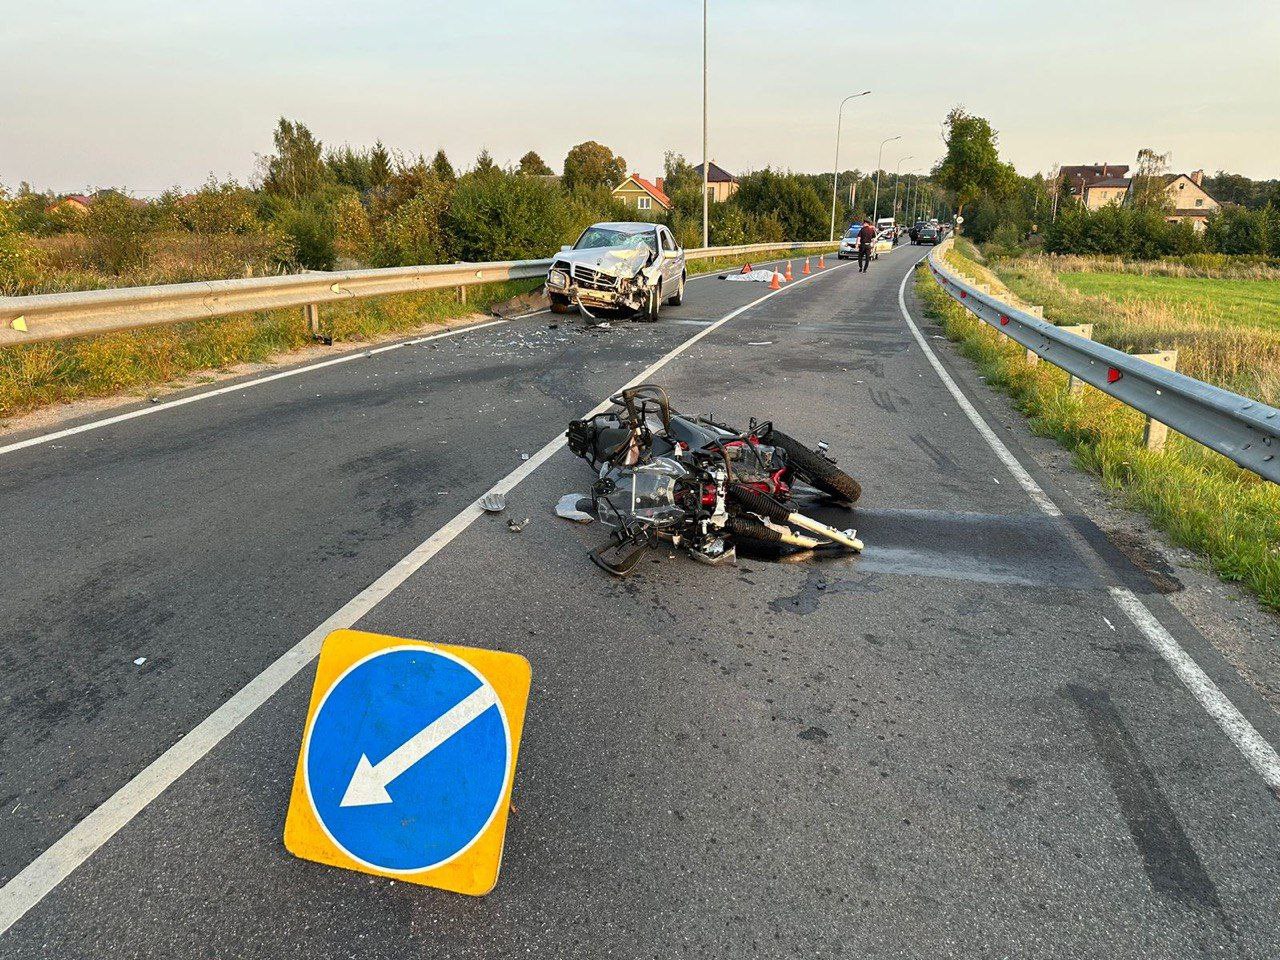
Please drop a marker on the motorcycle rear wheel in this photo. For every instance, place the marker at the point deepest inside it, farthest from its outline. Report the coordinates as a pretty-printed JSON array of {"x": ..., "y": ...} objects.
[{"x": 815, "y": 469}]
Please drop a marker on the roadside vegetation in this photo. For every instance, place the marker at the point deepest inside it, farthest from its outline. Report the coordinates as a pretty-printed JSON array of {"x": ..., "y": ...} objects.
[{"x": 1204, "y": 502}]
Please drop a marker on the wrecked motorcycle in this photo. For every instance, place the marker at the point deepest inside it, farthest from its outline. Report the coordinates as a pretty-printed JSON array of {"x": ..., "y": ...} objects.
[{"x": 663, "y": 477}]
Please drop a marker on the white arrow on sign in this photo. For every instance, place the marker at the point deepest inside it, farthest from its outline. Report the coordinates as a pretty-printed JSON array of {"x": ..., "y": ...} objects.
[{"x": 369, "y": 783}]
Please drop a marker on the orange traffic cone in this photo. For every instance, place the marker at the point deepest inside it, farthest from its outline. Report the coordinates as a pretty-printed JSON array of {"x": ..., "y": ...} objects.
[
  {"x": 787, "y": 275},
  {"x": 773, "y": 281},
  {"x": 822, "y": 262},
  {"x": 746, "y": 268},
  {"x": 806, "y": 271}
]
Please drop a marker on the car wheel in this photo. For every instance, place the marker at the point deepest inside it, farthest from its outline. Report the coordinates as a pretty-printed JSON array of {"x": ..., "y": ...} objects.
[
  {"x": 559, "y": 303},
  {"x": 652, "y": 305},
  {"x": 677, "y": 298}
]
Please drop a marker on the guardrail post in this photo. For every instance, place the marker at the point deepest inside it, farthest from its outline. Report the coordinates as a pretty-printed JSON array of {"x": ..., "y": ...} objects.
[
  {"x": 1154, "y": 433},
  {"x": 311, "y": 312},
  {"x": 1076, "y": 387},
  {"x": 462, "y": 294},
  {"x": 1036, "y": 311}
]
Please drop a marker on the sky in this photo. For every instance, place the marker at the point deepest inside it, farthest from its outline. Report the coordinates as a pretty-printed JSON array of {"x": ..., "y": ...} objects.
[{"x": 150, "y": 95}]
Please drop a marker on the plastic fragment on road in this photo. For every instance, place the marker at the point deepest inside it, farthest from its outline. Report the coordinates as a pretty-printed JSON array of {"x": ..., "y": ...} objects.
[
  {"x": 570, "y": 506},
  {"x": 517, "y": 526},
  {"x": 493, "y": 503}
]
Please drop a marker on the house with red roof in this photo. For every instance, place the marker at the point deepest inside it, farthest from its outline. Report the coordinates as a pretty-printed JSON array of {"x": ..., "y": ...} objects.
[{"x": 640, "y": 194}]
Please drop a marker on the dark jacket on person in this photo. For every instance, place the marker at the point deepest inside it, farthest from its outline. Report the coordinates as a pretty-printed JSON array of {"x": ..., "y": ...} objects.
[{"x": 867, "y": 235}]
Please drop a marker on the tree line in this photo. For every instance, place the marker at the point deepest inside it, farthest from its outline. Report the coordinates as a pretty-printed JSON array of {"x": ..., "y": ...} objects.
[
  {"x": 312, "y": 207},
  {"x": 1014, "y": 212}
]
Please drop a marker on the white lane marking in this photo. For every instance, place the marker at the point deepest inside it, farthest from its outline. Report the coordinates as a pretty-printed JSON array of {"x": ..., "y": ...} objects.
[
  {"x": 1025, "y": 480},
  {"x": 233, "y": 388},
  {"x": 1260, "y": 754},
  {"x": 1251, "y": 744},
  {"x": 270, "y": 378},
  {"x": 78, "y": 844}
]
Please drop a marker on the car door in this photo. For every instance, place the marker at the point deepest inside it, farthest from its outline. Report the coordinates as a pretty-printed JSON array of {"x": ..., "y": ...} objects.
[{"x": 672, "y": 259}]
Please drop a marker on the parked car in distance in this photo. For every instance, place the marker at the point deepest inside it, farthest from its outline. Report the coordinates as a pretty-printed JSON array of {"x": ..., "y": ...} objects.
[
  {"x": 849, "y": 244},
  {"x": 618, "y": 270},
  {"x": 927, "y": 233}
]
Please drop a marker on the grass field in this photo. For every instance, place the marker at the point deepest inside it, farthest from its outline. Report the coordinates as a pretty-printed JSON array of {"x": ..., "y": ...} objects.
[
  {"x": 1227, "y": 515},
  {"x": 1226, "y": 329},
  {"x": 1242, "y": 303}
]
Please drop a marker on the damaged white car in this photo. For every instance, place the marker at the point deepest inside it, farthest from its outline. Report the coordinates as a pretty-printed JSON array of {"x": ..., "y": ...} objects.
[{"x": 618, "y": 270}]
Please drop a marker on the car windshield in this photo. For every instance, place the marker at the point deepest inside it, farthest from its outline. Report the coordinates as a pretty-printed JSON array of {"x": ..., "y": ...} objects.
[
  {"x": 594, "y": 238},
  {"x": 852, "y": 233}
]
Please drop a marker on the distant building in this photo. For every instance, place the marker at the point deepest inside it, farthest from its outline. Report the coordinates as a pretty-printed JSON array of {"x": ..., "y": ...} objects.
[
  {"x": 79, "y": 204},
  {"x": 1106, "y": 190},
  {"x": 1078, "y": 178},
  {"x": 73, "y": 203},
  {"x": 721, "y": 184},
  {"x": 639, "y": 194},
  {"x": 1189, "y": 201}
]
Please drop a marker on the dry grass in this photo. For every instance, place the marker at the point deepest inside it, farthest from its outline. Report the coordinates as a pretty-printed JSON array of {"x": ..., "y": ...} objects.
[
  {"x": 1200, "y": 265},
  {"x": 65, "y": 370},
  {"x": 68, "y": 262},
  {"x": 1235, "y": 345}
]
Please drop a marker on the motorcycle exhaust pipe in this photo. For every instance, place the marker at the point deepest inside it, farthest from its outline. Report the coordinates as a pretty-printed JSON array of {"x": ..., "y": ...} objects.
[{"x": 771, "y": 509}]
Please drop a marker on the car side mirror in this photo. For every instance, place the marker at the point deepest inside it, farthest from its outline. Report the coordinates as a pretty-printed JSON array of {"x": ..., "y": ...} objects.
[{"x": 566, "y": 248}]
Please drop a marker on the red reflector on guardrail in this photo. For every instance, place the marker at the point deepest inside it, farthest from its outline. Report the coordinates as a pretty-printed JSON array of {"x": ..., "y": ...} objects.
[
  {"x": 1004, "y": 321},
  {"x": 1113, "y": 375},
  {"x": 964, "y": 295}
]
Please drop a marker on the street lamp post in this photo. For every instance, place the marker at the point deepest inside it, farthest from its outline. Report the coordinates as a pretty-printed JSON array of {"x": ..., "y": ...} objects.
[
  {"x": 706, "y": 167},
  {"x": 875, "y": 214},
  {"x": 835, "y": 174},
  {"x": 897, "y": 180}
]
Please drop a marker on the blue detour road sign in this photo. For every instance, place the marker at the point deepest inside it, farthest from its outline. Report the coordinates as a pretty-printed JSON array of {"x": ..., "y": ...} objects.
[{"x": 407, "y": 760}]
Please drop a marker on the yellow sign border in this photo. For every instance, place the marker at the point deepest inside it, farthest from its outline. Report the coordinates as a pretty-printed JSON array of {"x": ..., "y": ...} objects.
[{"x": 474, "y": 871}]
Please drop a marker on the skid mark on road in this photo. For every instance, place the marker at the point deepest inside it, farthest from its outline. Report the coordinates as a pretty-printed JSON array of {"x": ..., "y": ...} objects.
[{"x": 1171, "y": 863}]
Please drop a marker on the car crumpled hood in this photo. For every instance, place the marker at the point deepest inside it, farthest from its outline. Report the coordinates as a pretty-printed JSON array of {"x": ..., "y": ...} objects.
[{"x": 615, "y": 261}]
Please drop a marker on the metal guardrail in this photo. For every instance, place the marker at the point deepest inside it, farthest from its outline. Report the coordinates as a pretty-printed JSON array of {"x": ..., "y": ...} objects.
[
  {"x": 1246, "y": 431},
  {"x": 55, "y": 316}
]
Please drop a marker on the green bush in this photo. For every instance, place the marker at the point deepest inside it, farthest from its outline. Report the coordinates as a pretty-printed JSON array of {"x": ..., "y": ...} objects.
[
  {"x": 18, "y": 259},
  {"x": 415, "y": 232},
  {"x": 497, "y": 216},
  {"x": 117, "y": 227}
]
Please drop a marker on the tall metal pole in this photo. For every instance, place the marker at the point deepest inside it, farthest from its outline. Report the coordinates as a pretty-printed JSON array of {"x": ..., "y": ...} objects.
[
  {"x": 897, "y": 179},
  {"x": 835, "y": 174},
  {"x": 706, "y": 166},
  {"x": 875, "y": 209}
]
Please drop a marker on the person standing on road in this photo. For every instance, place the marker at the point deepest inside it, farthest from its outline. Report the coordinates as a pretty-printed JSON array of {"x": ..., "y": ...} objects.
[{"x": 866, "y": 241}]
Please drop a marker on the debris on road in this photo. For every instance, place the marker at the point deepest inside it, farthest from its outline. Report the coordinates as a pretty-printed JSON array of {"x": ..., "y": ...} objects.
[
  {"x": 663, "y": 477},
  {"x": 493, "y": 503},
  {"x": 517, "y": 526},
  {"x": 574, "y": 506}
]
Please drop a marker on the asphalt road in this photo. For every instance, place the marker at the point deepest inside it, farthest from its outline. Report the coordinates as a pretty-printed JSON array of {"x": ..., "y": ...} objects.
[{"x": 955, "y": 744}]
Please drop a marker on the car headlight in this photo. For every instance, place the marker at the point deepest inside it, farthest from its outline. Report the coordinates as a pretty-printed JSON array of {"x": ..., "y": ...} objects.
[{"x": 557, "y": 278}]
